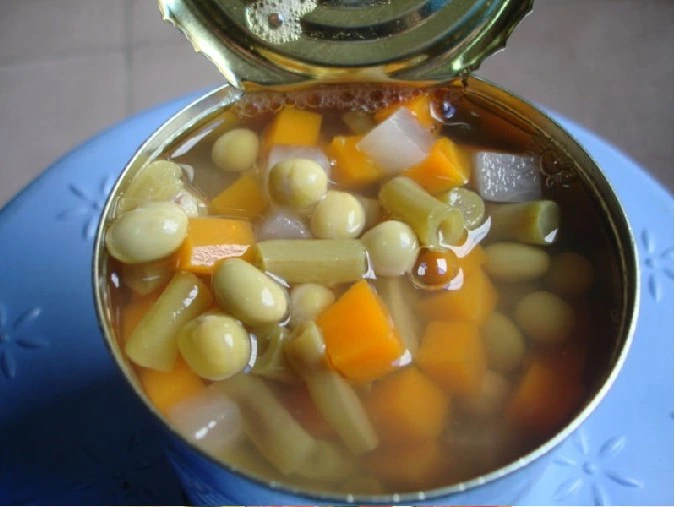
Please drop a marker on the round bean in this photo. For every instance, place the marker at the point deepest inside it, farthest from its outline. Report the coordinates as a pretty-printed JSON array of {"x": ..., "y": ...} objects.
[
  {"x": 545, "y": 317},
  {"x": 148, "y": 233},
  {"x": 338, "y": 216},
  {"x": 308, "y": 301},
  {"x": 504, "y": 343},
  {"x": 298, "y": 183},
  {"x": 392, "y": 248},
  {"x": 570, "y": 274},
  {"x": 249, "y": 294},
  {"x": 491, "y": 398},
  {"x": 215, "y": 346},
  {"x": 236, "y": 150},
  {"x": 515, "y": 262},
  {"x": 158, "y": 181}
]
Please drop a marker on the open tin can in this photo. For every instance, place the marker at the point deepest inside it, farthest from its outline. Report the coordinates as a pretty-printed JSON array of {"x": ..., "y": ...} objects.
[{"x": 358, "y": 52}]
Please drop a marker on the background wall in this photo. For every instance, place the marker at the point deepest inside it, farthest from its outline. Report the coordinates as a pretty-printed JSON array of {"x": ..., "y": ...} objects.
[{"x": 69, "y": 68}]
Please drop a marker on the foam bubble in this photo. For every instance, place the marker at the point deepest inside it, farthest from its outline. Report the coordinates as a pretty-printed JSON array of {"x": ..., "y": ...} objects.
[
  {"x": 277, "y": 21},
  {"x": 346, "y": 98}
]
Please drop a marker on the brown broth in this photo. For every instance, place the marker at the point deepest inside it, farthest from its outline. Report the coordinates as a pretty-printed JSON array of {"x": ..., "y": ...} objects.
[{"x": 469, "y": 446}]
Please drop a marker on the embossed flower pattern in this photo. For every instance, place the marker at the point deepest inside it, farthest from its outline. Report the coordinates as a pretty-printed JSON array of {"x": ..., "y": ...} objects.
[
  {"x": 592, "y": 470},
  {"x": 88, "y": 207},
  {"x": 115, "y": 471},
  {"x": 659, "y": 264},
  {"x": 16, "y": 337}
]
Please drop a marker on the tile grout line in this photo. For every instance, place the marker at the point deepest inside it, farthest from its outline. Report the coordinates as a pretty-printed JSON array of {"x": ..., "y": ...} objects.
[{"x": 128, "y": 55}]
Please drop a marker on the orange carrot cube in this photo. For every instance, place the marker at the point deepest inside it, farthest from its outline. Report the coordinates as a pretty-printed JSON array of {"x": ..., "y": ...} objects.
[
  {"x": 353, "y": 169},
  {"x": 452, "y": 354},
  {"x": 473, "y": 302},
  {"x": 242, "y": 199},
  {"x": 211, "y": 239},
  {"x": 407, "y": 406},
  {"x": 444, "y": 168},
  {"x": 166, "y": 389},
  {"x": 361, "y": 342},
  {"x": 295, "y": 127}
]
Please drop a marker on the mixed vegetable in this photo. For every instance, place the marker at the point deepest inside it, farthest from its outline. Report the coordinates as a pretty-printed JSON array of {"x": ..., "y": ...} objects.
[{"x": 363, "y": 305}]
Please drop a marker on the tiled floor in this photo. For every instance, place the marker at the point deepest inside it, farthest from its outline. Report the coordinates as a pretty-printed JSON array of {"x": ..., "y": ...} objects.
[{"x": 70, "y": 68}]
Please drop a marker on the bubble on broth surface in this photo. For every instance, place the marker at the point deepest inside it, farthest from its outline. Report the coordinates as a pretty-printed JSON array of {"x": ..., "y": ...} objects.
[{"x": 345, "y": 98}]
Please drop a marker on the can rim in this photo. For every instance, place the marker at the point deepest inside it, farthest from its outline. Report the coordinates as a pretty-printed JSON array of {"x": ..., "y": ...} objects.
[{"x": 630, "y": 271}]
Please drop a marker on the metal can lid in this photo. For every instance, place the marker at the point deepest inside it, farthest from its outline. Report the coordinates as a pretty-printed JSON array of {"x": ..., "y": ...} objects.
[{"x": 270, "y": 43}]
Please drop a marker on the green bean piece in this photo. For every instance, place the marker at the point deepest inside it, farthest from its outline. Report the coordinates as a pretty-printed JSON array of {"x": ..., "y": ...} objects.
[
  {"x": 153, "y": 342},
  {"x": 324, "y": 261},
  {"x": 535, "y": 222},
  {"x": 398, "y": 296},
  {"x": 269, "y": 426},
  {"x": 271, "y": 362},
  {"x": 469, "y": 203},
  {"x": 358, "y": 122},
  {"x": 149, "y": 276},
  {"x": 334, "y": 398},
  {"x": 435, "y": 223},
  {"x": 329, "y": 463}
]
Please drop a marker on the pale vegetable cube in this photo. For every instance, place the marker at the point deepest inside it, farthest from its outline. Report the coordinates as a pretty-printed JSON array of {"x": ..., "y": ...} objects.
[
  {"x": 502, "y": 177},
  {"x": 282, "y": 224},
  {"x": 399, "y": 142},
  {"x": 210, "y": 420}
]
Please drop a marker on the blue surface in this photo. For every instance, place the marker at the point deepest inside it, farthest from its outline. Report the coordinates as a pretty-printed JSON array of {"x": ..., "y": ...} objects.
[{"x": 72, "y": 433}]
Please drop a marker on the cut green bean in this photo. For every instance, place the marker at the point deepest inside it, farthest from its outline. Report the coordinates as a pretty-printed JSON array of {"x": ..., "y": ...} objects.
[
  {"x": 271, "y": 428},
  {"x": 435, "y": 223},
  {"x": 328, "y": 463},
  {"x": 469, "y": 203},
  {"x": 534, "y": 222},
  {"x": 323, "y": 261},
  {"x": 358, "y": 122},
  {"x": 334, "y": 398},
  {"x": 271, "y": 362},
  {"x": 153, "y": 342},
  {"x": 399, "y": 299},
  {"x": 149, "y": 276}
]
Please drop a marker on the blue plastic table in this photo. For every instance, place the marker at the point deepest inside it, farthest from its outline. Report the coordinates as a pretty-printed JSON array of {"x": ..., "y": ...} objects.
[{"x": 72, "y": 433}]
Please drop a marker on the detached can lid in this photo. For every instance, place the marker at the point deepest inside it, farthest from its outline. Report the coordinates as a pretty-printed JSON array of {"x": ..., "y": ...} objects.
[{"x": 277, "y": 43}]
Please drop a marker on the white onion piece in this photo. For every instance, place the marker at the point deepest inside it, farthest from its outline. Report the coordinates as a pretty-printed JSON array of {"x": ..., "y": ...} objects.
[
  {"x": 501, "y": 177},
  {"x": 398, "y": 143},
  {"x": 281, "y": 152},
  {"x": 281, "y": 224},
  {"x": 210, "y": 420},
  {"x": 192, "y": 204}
]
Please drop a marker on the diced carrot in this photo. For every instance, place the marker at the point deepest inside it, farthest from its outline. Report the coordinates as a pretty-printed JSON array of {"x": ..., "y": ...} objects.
[
  {"x": 444, "y": 168},
  {"x": 165, "y": 389},
  {"x": 133, "y": 312},
  {"x": 544, "y": 399},
  {"x": 473, "y": 302},
  {"x": 417, "y": 466},
  {"x": 295, "y": 127},
  {"x": 407, "y": 406},
  {"x": 303, "y": 409},
  {"x": 360, "y": 338},
  {"x": 243, "y": 199},
  {"x": 419, "y": 106},
  {"x": 472, "y": 261},
  {"x": 353, "y": 169},
  {"x": 211, "y": 239},
  {"x": 452, "y": 354}
]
